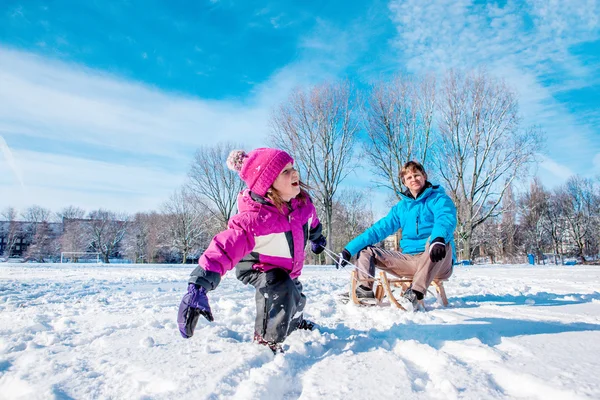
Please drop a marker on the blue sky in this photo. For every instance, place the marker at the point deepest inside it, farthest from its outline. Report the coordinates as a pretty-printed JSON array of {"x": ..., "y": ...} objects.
[{"x": 102, "y": 104}]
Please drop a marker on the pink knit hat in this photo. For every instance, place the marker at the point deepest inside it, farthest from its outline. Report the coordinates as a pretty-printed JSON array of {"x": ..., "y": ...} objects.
[{"x": 259, "y": 168}]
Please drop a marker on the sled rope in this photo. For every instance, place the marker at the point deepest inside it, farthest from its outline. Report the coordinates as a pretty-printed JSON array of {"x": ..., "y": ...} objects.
[{"x": 336, "y": 256}]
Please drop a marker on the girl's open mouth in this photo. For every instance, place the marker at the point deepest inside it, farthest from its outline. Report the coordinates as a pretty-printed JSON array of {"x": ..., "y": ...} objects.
[{"x": 295, "y": 183}]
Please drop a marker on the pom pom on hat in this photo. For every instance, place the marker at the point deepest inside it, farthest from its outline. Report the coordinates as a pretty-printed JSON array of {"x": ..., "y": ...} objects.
[
  {"x": 235, "y": 160},
  {"x": 258, "y": 168}
]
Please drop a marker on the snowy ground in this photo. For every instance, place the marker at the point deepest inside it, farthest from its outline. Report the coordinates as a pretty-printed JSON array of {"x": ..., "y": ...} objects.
[{"x": 87, "y": 332}]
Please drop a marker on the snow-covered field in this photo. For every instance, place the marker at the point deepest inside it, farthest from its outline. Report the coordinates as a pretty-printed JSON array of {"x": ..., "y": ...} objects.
[{"x": 87, "y": 332}]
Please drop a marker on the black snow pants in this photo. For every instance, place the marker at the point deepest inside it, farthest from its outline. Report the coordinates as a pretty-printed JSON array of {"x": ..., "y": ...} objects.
[{"x": 279, "y": 301}]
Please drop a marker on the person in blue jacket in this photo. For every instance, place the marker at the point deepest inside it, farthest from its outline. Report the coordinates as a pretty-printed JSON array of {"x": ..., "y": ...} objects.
[{"x": 427, "y": 218}]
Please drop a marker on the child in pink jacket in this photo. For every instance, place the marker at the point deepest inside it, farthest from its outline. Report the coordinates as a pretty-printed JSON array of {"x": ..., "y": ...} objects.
[{"x": 265, "y": 243}]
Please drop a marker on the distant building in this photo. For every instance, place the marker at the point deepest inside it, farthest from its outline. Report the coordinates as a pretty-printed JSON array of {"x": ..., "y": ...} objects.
[{"x": 17, "y": 236}]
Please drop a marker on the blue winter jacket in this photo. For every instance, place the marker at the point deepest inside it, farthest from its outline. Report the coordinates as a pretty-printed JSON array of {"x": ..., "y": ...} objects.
[{"x": 432, "y": 214}]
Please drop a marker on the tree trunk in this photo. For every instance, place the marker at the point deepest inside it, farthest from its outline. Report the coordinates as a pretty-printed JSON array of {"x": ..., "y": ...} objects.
[{"x": 466, "y": 250}]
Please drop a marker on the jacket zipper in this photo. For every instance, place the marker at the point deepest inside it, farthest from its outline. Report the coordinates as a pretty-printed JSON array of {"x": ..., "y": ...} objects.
[{"x": 417, "y": 225}]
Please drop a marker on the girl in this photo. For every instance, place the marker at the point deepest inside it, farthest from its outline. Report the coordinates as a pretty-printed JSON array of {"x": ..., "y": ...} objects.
[{"x": 265, "y": 243}]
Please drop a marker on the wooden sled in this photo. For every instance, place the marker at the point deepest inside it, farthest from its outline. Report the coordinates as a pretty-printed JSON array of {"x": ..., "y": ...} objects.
[{"x": 383, "y": 287}]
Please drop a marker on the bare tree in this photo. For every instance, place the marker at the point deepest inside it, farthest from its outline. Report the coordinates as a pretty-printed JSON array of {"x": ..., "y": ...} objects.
[
  {"x": 76, "y": 237},
  {"x": 146, "y": 237},
  {"x": 319, "y": 128},
  {"x": 156, "y": 236},
  {"x": 9, "y": 214},
  {"x": 482, "y": 148},
  {"x": 554, "y": 223},
  {"x": 398, "y": 119},
  {"x": 36, "y": 214},
  {"x": 70, "y": 212},
  {"x": 487, "y": 240},
  {"x": 135, "y": 242},
  {"x": 508, "y": 226},
  {"x": 213, "y": 184},
  {"x": 533, "y": 217},
  {"x": 594, "y": 244},
  {"x": 43, "y": 245},
  {"x": 580, "y": 203},
  {"x": 186, "y": 225},
  {"x": 11, "y": 230},
  {"x": 106, "y": 229},
  {"x": 352, "y": 216}
]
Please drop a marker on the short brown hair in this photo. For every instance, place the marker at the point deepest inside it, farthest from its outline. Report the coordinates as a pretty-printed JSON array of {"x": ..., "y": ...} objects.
[{"x": 412, "y": 166}]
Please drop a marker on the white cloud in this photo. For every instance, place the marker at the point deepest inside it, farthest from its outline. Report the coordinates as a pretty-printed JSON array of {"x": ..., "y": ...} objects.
[
  {"x": 463, "y": 33},
  {"x": 124, "y": 122},
  {"x": 56, "y": 181},
  {"x": 528, "y": 44},
  {"x": 56, "y": 101},
  {"x": 68, "y": 106},
  {"x": 558, "y": 172},
  {"x": 59, "y": 103},
  {"x": 10, "y": 160}
]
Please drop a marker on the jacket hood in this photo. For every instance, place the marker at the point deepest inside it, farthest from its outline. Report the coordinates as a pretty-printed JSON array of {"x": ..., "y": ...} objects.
[{"x": 246, "y": 203}]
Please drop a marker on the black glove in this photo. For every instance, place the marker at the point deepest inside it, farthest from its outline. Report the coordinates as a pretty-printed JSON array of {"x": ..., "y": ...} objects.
[
  {"x": 437, "y": 249},
  {"x": 344, "y": 258},
  {"x": 318, "y": 245}
]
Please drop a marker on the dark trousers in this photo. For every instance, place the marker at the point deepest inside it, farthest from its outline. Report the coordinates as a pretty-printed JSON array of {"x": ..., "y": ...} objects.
[{"x": 279, "y": 301}]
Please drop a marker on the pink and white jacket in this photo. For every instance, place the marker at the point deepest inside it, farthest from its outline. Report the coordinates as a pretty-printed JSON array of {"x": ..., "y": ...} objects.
[{"x": 262, "y": 235}]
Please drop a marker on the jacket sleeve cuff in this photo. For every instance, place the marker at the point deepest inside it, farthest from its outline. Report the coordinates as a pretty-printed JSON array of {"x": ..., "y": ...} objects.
[
  {"x": 209, "y": 280},
  {"x": 439, "y": 239},
  {"x": 315, "y": 232}
]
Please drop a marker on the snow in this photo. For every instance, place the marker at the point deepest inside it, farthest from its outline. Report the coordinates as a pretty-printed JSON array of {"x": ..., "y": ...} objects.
[{"x": 94, "y": 331}]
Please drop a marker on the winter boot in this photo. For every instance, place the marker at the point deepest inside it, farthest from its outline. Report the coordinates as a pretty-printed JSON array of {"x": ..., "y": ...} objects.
[
  {"x": 362, "y": 292},
  {"x": 410, "y": 300},
  {"x": 274, "y": 347}
]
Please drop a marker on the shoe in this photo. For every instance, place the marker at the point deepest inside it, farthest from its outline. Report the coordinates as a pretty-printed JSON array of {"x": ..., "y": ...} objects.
[
  {"x": 306, "y": 325},
  {"x": 363, "y": 292},
  {"x": 409, "y": 300},
  {"x": 274, "y": 347}
]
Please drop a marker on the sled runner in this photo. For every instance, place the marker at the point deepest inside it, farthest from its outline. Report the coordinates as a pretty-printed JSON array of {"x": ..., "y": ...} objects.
[{"x": 392, "y": 288}]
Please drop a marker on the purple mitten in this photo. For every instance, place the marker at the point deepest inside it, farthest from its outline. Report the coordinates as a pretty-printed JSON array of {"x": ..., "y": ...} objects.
[
  {"x": 318, "y": 245},
  {"x": 193, "y": 304}
]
